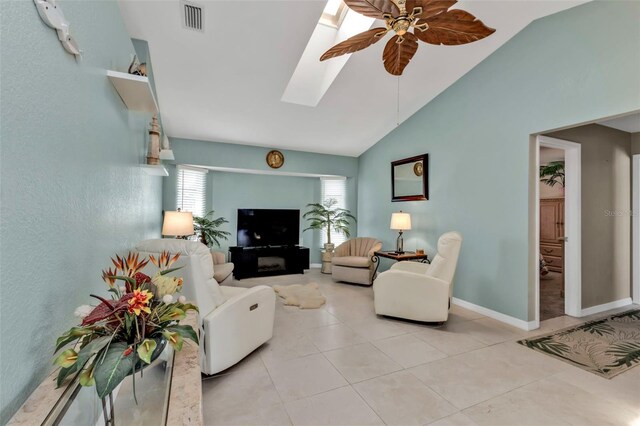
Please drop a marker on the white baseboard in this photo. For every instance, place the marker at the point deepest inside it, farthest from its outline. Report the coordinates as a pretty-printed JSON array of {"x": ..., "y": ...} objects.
[
  {"x": 524, "y": 325},
  {"x": 606, "y": 306},
  {"x": 315, "y": 265}
]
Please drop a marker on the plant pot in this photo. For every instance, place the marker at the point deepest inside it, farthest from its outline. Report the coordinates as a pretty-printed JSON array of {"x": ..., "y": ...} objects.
[{"x": 329, "y": 247}]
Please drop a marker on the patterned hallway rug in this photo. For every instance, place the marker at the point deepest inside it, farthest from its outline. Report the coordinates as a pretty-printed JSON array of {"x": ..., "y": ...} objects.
[
  {"x": 606, "y": 347},
  {"x": 304, "y": 296}
]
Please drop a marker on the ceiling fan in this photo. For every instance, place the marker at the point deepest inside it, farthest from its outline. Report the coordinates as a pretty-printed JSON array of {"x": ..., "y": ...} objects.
[{"x": 432, "y": 23}]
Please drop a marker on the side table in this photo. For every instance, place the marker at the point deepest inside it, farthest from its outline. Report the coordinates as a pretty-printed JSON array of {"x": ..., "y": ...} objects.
[
  {"x": 398, "y": 257},
  {"x": 326, "y": 261}
]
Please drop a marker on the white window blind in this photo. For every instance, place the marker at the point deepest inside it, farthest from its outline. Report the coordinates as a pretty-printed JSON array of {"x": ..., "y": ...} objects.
[
  {"x": 336, "y": 189},
  {"x": 191, "y": 190}
]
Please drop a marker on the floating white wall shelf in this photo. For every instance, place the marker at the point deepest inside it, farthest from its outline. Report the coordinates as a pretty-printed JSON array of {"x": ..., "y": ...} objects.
[
  {"x": 152, "y": 170},
  {"x": 134, "y": 90}
]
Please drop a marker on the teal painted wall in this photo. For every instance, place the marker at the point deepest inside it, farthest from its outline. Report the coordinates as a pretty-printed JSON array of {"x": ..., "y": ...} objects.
[
  {"x": 228, "y": 192},
  {"x": 72, "y": 193},
  {"x": 560, "y": 70}
]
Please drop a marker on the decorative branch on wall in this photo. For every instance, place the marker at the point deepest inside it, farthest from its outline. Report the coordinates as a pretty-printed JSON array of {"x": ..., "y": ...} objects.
[{"x": 52, "y": 15}]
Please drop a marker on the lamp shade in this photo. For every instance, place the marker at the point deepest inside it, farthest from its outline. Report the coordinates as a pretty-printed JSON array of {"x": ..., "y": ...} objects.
[
  {"x": 177, "y": 224},
  {"x": 400, "y": 221}
]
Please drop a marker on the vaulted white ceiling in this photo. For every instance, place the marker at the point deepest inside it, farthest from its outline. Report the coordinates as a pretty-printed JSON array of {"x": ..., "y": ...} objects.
[{"x": 225, "y": 84}]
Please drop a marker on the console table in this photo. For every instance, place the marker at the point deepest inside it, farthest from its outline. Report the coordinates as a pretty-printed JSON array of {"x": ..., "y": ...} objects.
[
  {"x": 398, "y": 257},
  {"x": 172, "y": 397},
  {"x": 266, "y": 261}
]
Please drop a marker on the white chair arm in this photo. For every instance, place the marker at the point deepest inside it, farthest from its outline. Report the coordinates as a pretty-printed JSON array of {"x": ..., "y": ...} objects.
[
  {"x": 238, "y": 326},
  {"x": 415, "y": 267},
  {"x": 412, "y": 296}
]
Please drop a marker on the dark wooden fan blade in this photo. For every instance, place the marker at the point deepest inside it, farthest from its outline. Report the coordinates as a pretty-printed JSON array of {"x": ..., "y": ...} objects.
[
  {"x": 355, "y": 43},
  {"x": 396, "y": 55},
  {"x": 373, "y": 8},
  {"x": 429, "y": 7},
  {"x": 452, "y": 28}
]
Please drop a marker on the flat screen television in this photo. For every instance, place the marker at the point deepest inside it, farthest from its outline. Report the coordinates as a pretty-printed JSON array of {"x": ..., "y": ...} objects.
[{"x": 268, "y": 227}]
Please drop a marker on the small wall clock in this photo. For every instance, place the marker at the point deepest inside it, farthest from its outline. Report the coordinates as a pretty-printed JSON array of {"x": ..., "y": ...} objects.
[
  {"x": 418, "y": 168},
  {"x": 275, "y": 159}
]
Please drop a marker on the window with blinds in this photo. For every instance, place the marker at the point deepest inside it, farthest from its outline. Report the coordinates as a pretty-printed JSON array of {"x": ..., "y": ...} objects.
[
  {"x": 337, "y": 189},
  {"x": 191, "y": 190}
]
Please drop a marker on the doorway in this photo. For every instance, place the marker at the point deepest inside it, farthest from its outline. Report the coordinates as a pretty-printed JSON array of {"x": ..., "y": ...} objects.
[
  {"x": 558, "y": 289},
  {"x": 552, "y": 187}
]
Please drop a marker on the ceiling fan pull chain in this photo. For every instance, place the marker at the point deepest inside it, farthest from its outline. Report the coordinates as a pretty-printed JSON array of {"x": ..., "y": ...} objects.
[{"x": 398, "y": 109}]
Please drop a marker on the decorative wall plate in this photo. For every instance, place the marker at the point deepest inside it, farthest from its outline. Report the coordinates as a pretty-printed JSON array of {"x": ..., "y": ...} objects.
[{"x": 275, "y": 159}]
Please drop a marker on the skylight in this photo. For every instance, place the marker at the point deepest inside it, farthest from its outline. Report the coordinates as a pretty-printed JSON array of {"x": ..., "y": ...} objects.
[{"x": 333, "y": 13}]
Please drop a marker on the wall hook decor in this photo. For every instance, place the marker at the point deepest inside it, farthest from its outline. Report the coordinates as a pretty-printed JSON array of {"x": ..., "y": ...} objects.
[{"x": 52, "y": 15}]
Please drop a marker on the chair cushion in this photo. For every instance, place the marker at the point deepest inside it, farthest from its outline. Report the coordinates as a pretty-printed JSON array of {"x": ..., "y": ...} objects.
[
  {"x": 222, "y": 271},
  {"x": 352, "y": 261}
]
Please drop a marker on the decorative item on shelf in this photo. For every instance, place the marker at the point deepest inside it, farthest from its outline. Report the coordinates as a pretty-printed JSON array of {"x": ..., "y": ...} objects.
[
  {"x": 52, "y": 15},
  {"x": 122, "y": 335},
  {"x": 400, "y": 221},
  {"x": 166, "y": 153},
  {"x": 153, "y": 153},
  {"x": 275, "y": 159},
  {"x": 177, "y": 224},
  {"x": 206, "y": 228},
  {"x": 420, "y": 251},
  {"x": 431, "y": 21},
  {"x": 328, "y": 216},
  {"x": 137, "y": 68}
]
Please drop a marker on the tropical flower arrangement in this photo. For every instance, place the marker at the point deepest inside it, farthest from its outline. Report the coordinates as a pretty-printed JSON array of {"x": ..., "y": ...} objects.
[{"x": 123, "y": 334}]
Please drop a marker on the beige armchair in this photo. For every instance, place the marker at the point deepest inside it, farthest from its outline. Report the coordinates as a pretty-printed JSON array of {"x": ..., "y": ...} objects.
[
  {"x": 418, "y": 291},
  {"x": 222, "y": 270},
  {"x": 352, "y": 260}
]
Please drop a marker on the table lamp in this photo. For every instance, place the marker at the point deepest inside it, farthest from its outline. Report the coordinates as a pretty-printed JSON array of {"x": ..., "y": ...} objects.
[
  {"x": 400, "y": 222},
  {"x": 177, "y": 224}
]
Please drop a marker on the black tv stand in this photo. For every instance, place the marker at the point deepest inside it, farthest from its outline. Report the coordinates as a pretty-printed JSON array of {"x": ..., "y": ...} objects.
[{"x": 268, "y": 261}]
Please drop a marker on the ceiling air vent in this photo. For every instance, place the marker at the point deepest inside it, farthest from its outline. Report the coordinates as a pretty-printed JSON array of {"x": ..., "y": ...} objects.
[{"x": 192, "y": 16}]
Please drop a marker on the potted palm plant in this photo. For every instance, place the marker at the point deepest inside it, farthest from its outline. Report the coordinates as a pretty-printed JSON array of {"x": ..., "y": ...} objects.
[
  {"x": 206, "y": 228},
  {"x": 552, "y": 173},
  {"x": 328, "y": 216}
]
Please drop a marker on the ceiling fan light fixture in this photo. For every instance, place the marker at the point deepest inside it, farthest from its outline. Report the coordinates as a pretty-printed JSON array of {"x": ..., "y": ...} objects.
[{"x": 432, "y": 23}]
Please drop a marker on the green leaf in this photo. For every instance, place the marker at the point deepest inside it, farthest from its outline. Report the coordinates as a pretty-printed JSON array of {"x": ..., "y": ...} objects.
[
  {"x": 92, "y": 348},
  {"x": 115, "y": 366},
  {"x": 131, "y": 281},
  {"x": 71, "y": 335},
  {"x": 185, "y": 331},
  {"x": 66, "y": 359},
  {"x": 145, "y": 349},
  {"x": 168, "y": 271},
  {"x": 188, "y": 307},
  {"x": 64, "y": 373}
]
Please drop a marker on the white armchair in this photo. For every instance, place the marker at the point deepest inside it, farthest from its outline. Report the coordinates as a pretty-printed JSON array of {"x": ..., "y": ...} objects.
[
  {"x": 233, "y": 321},
  {"x": 419, "y": 291}
]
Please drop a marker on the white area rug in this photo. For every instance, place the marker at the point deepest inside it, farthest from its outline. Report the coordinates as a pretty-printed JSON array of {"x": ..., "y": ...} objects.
[{"x": 305, "y": 296}]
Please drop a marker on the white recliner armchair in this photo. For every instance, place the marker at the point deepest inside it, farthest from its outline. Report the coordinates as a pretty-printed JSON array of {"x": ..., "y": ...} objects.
[
  {"x": 233, "y": 321},
  {"x": 419, "y": 291}
]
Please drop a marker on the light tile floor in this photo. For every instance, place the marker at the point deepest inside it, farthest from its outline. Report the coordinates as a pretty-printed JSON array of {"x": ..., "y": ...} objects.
[{"x": 343, "y": 365}]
